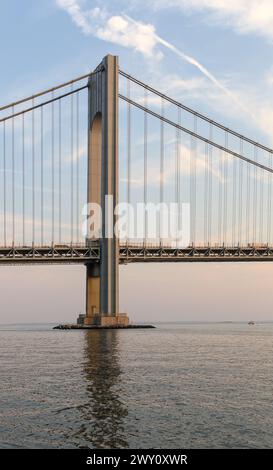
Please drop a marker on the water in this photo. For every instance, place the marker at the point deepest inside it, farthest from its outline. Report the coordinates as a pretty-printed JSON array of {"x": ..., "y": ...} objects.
[{"x": 177, "y": 386}]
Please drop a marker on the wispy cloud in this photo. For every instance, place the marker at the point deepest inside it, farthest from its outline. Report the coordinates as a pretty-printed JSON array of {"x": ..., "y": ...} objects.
[
  {"x": 136, "y": 35},
  {"x": 125, "y": 31},
  {"x": 195, "y": 63},
  {"x": 76, "y": 155},
  {"x": 245, "y": 16},
  {"x": 85, "y": 20},
  {"x": 186, "y": 169},
  {"x": 113, "y": 28}
]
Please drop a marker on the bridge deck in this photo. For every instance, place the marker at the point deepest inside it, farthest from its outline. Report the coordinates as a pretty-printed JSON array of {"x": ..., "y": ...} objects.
[{"x": 80, "y": 254}]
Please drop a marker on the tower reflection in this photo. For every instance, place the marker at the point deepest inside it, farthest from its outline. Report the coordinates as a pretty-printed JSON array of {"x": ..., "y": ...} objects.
[{"x": 104, "y": 411}]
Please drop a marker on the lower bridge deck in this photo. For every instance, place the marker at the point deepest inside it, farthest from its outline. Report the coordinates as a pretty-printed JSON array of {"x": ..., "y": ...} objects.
[{"x": 131, "y": 253}]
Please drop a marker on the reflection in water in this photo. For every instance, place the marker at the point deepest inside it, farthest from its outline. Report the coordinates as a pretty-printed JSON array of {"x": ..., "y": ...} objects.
[
  {"x": 104, "y": 412},
  {"x": 179, "y": 386}
]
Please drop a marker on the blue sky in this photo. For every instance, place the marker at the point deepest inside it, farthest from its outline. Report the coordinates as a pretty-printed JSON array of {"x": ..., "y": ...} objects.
[
  {"x": 58, "y": 39},
  {"x": 213, "y": 55}
]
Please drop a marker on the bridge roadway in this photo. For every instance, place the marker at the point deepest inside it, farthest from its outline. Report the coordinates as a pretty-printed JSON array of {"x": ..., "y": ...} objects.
[{"x": 131, "y": 253}]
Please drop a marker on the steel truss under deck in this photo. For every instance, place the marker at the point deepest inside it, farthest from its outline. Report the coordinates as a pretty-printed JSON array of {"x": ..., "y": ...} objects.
[{"x": 74, "y": 254}]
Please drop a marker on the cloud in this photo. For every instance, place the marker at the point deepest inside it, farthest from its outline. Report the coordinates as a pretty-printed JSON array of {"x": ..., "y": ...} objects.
[
  {"x": 218, "y": 84},
  {"x": 116, "y": 29},
  {"x": 77, "y": 154},
  {"x": 171, "y": 85},
  {"x": 136, "y": 35},
  {"x": 245, "y": 16},
  {"x": 85, "y": 20},
  {"x": 154, "y": 176},
  {"x": 269, "y": 78}
]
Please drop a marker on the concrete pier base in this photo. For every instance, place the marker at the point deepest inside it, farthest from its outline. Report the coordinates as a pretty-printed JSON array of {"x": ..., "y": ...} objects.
[
  {"x": 99, "y": 321},
  {"x": 120, "y": 319}
]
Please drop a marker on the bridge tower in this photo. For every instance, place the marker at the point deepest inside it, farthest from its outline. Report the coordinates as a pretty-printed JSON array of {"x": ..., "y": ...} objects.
[{"x": 102, "y": 280}]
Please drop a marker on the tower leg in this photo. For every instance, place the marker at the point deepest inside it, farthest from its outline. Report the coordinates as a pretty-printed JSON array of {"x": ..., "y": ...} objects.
[
  {"x": 102, "y": 285},
  {"x": 92, "y": 294}
]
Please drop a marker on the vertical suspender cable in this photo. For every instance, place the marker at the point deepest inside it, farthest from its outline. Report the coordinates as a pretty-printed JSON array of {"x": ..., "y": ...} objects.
[
  {"x": 240, "y": 194},
  {"x": 220, "y": 197},
  {"x": 225, "y": 210},
  {"x": 190, "y": 189},
  {"x": 179, "y": 225},
  {"x": 269, "y": 202},
  {"x": 193, "y": 183},
  {"x": 234, "y": 201},
  {"x": 247, "y": 203},
  {"x": 13, "y": 181},
  {"x": 5, "y": 203},
  {"x": 77, "y": 168},
  {"x": 128, "y": 158},
  {"x": 162, "y": 145},
  {"x": 42, "y": 176},
  {"x": 255, "y": 199},
  {"x": 33, "y": 175},
  {"x": 262, "y": 179},
  {"x": 52, "y": 170},
  {"x": 206, "y": 197},
  {"x": 72, "y": 169},
  {"x": 210, "y": 206},
  {"x": 2, "y": 179},
  {"x": 145, "y": 167},
  {"x": 60, "y": 171},
  {"x": 177, "y": 177},
  {"x": 176, "y": 184},
  {"x": 23, "y": 176}
]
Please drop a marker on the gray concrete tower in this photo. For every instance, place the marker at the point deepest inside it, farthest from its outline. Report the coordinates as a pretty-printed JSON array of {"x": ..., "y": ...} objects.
[{"x": 102, "y": 285}]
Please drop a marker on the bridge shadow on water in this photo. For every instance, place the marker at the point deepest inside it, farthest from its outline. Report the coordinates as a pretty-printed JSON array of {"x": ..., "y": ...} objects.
[{"x": 104, "y": 412}]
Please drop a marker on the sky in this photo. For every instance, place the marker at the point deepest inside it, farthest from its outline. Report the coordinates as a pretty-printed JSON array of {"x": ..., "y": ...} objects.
[{"x": 212, "y": 55}]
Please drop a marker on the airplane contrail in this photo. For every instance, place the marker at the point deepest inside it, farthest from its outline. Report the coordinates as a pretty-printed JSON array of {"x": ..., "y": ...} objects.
[{"x": 201, "y": 68}]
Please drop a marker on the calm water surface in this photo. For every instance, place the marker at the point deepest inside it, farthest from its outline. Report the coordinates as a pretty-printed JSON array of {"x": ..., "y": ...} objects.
[{"x": 179, "y": 385}]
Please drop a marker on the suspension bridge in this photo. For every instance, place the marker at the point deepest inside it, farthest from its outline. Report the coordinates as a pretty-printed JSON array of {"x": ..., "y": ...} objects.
[{"x": 107, "y": 133}]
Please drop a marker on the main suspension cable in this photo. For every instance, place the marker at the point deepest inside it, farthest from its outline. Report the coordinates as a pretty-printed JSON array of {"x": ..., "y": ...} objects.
[
  {"x": 196, "y": 113},
  {"x": 197, "y": 136},
  {"x": 48, "y": 90}
]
